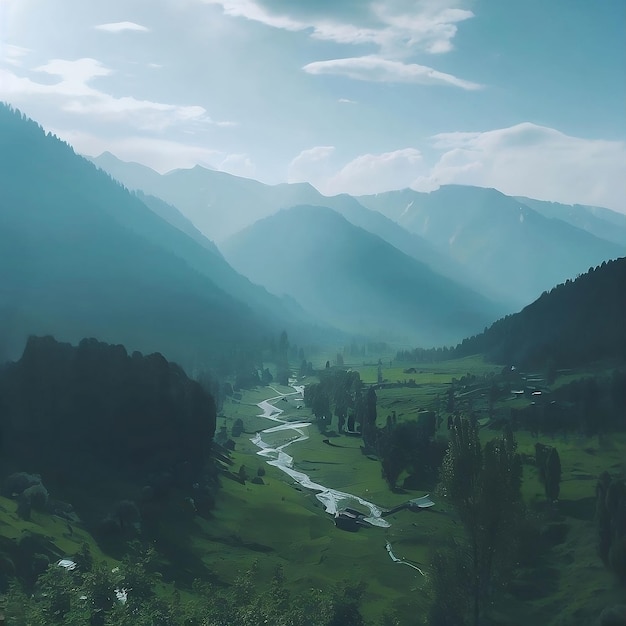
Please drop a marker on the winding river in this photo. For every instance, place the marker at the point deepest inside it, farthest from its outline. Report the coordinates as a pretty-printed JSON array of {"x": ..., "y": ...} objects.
[{"x": 286, "y": 433}]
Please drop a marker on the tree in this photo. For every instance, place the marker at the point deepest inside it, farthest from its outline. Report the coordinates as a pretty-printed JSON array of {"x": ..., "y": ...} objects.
[
  {"x": 553, "y": 475},
  {"x": 484, "y": 486},
  {"x": 549, "y": 468}
]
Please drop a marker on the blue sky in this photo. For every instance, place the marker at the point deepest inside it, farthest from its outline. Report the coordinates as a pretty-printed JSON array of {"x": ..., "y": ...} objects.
[{"x": 352, "y": 96}]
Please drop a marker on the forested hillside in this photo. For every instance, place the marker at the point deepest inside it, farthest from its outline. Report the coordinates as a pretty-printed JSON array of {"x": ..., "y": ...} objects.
[
  {"x": 81, "y": 256},
  {"x": 94, "y": 415},
  {"x": 577, "y": 322}
]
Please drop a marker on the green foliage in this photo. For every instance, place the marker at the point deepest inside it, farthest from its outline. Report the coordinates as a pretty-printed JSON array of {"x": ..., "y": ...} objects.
[
  {"x": 72, "y": 598},
  {"x": 340, "y": 390},
  {"x": 484, "y": 486},
  {"x": 553, "y": 475},
  {"x": 549, "y": 468},
  {"x": 611, "y": 522},
  {"x": 577, "y": 322},
  {"x": 144, "y": 414}
]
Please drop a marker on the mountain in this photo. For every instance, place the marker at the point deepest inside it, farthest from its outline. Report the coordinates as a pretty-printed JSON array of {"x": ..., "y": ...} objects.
[
  {"x": 81, "y": 256},
  {"x": 124, "y": 418},
  {"x": 220, "y": 204},
  {"x": 517, "y": 251},
  {"x": 577, "y": 322},
  {"x": 172, "y": 215},
  {"x": 598, "y": 221},
  {"x": 353, "y": 279}
]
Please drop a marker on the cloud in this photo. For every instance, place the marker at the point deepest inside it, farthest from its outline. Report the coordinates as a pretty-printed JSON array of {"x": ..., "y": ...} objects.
[
  {"x": 238, "y": 165},
  {"x": 73, "y": 93},
  {"x": 531, "y": 160},
  {"x": 12, "y": 54},
  {"x": 346, "y": 101},
  {"x": 374, "y": 173},
  {"x": 119, "y": 27},
  {"x": 162, "y": 155},
  {"x": 395, "y": 26},
  {"x": 311, "y": 166},
  {"x": 377, "y": 69}
]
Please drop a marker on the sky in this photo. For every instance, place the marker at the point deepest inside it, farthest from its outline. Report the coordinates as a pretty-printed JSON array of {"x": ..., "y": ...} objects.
[{"x": 353, "y": 96}]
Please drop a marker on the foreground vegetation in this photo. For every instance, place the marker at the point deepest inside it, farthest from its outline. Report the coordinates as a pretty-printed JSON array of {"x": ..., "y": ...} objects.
[{"x": 267, "y": 551}]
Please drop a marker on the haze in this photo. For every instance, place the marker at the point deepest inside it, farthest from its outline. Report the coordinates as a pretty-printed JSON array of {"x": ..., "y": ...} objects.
[{"x": 357, "y": 97}]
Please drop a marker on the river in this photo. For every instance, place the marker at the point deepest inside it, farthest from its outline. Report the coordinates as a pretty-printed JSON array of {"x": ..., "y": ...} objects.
[{"x": 293, "y": 432}]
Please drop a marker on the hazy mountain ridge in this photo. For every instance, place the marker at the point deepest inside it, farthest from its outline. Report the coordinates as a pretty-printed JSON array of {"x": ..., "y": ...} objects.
[
  {"x": 218, "y": 204},
  {"x": 353, "y": 279},
  {"x": 479, "y": 237},
  {"x": 81, "y": 256},
  {"x": 598, "y": 221},
  {"x": 518, "y": 251}
]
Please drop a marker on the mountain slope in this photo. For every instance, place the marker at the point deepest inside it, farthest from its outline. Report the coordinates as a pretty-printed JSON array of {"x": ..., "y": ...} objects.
[
  {"x": 598, "y": 221},
  {"x": 220, "y": 204},
  {"x": 577, "y": 322},
  {"x": 353, "y": 279},
  {"x": 217, "y": 203},
  {"x": 81, "y": 256},
  {"x": 517, "y": 251}
]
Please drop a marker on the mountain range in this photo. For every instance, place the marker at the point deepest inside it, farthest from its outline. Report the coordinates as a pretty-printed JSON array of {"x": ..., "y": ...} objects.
[
  {"x": 82, "y": 256},
  {"x": 129, "y": 255},
  {"x": 500, "y": 246},
  {"x": 354, "y": 280}
]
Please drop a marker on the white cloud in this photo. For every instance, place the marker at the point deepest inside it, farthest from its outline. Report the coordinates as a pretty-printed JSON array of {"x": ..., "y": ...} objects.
[
  {"x": 429, "y": 26},
  {"x": 12, "y": 54},
  {"x": 534, "y": 161},
  {"x": 162, "y": 155},
  {"x": 394, "y": 29},
  {"x": 346, "y": 101},
  {"x": 394, "y": 26},
  {"x": 376, "y": 69},
  {"x": 374, "y": 173},
  {"x": 311, "y": 166},
  {"x": 73, "y": 93},
  {"x": 119, "y": 27},
  {"x": 255, "y": 12},
  {"x": 238, "y": 165}
]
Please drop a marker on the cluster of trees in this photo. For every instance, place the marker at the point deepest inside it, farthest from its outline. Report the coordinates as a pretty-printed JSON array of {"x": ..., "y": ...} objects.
[
  {"x": 591, "y": 405},
  {"x": 91, "y": 413},
  {"x": 401, "y": 446},
  {"x": 611, "y": 519},
  {"x": 576, "y": 322},
  {"x": 548, "y": 465},
  {"x": 410, "y": 446},
  {"x": 483, "y": 484},
  {"x": 128, "y": 596},
  {"x": 340, "y": 393},
  {"x": 425, "y": 355}
]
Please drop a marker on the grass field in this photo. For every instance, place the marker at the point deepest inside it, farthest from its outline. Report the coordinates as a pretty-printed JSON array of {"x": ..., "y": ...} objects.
[
  {"x": 279, "y": 522},
  {"x": 567, "y": 586}
]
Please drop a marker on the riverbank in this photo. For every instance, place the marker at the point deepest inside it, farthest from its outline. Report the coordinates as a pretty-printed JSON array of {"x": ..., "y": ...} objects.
[{"x": 291, "y": 520}]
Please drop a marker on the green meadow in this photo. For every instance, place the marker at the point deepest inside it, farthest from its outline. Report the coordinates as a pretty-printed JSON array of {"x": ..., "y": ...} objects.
[{"x": 563, "y": 582}]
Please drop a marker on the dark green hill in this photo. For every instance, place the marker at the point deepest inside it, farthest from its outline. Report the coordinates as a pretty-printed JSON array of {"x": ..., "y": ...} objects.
[
  {"x": 93, "y": 414},
  {"x": 81, "y": 256},
  {"x": 353, "y": 279},
  {"x": 514, "y": 249},
  {"x": 578, "y": 322}
]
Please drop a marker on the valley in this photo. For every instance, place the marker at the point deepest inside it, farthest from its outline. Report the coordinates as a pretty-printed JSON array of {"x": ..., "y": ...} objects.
[{"x": 218, "y": 398}]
